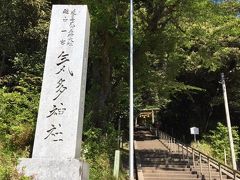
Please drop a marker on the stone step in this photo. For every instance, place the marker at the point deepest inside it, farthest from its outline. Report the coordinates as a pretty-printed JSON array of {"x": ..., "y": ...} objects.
[
  {"x": 166, "y": 174},
  {"x": 215, "y": 177},
  {"x": 206, "y": 172},
  {"x": 162, "y": 156},
  {"x": 164, "y": 168},
  {"x": 177, "y": 175},
  {"x": 168, "y": 171},
  {"x": 204, "y": 169},
  {"x": 145, "y": 156},
  {"x": 166, "y": 153},
  {"x": 142, "y": 152},
  {"x": 177, "y": 178},
  {"x": 152, "y": 150},
  {"x": 214, "y": 174},
  {"x": 165, "y": 158},
  {"x": 164, "y": 165},
  {"x": 170, "y": 178}
]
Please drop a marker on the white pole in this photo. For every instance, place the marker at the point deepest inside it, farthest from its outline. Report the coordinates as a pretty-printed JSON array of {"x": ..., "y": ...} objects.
[
  {"x": 131, "y": 123},
  {"x": 228, "y": 122}
]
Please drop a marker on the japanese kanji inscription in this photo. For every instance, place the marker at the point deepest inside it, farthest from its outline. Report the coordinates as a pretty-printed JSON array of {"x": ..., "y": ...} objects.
[{"x": 60, "y": 118}]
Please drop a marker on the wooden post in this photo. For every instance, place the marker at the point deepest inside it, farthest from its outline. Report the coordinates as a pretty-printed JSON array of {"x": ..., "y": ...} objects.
[
  {"x": 235, "y": 175},
  {"x": 209, "y": 170},
  {"x": 183, "y": 153},
  {"x": 225, "y": 157},
  {"x": 136, "y": 121},
  {"x": 193, "y": 156},
  {"x": 200, "y": 161},
  {"x": 220, "y": 171},
  {"x": 153, "y": 118},
  {"x": 170, "y": 144},
  {"x": 116, "y": 164},
  {"x": 119, "y": 130},
  {"x": 174, "y": 145}
]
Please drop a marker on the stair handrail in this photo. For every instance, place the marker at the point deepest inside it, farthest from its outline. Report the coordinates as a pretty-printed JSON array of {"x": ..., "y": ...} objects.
[{"x": 222, "y": 168}]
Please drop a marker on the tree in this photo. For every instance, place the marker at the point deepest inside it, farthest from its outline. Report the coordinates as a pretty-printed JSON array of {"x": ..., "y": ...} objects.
[{"x": 207, "y": 48}]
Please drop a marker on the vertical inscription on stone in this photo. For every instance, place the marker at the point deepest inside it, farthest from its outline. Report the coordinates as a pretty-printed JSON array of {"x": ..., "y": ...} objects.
[{"x": 59, "y": 125}]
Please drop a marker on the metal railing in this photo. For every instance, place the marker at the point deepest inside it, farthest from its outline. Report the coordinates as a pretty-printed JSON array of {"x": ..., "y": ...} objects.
[{"x": 199, "y": 159}]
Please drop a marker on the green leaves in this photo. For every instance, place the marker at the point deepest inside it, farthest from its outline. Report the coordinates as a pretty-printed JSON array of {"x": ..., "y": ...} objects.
[
  {"x": 17, "y": 118},
  {"x": 18, "y": 113},
  {"x": 98, "y": 150},
  {"x": 219, "y": 141},
  {"x": 23, "y": 26}
]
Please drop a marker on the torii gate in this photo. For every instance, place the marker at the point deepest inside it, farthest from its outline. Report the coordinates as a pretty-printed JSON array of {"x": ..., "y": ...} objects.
[{"x": 146, "y": 114}]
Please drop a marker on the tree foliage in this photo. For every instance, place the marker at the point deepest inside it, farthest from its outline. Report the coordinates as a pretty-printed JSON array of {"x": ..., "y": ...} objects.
[{"x": 219, "y": 141}]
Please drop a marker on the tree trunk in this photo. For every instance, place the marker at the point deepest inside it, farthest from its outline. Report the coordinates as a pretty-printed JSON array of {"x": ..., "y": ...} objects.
[
  {"x": 2, "y": 63},
  {"x": 103, "y": 79}
]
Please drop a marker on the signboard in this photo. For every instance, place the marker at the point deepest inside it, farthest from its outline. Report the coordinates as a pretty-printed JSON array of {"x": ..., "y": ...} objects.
[{"x": 194, "y": 130}]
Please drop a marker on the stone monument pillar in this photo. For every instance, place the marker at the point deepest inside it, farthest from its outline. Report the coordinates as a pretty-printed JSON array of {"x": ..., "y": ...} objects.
[{"x": 58, "y": 136}]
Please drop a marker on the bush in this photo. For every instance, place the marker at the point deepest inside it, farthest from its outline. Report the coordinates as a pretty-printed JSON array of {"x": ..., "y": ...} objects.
[
  {"x": 8, "y": 163},
  {"x": 98, "y": 150},
  {"x": 18, "y": 113},
  {"x": 204, "y": 147},
  {"x": 217, "y": 141}
]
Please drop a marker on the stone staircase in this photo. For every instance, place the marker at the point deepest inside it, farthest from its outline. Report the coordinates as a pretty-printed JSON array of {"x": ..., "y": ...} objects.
[{"x": 155, "y": 160}]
